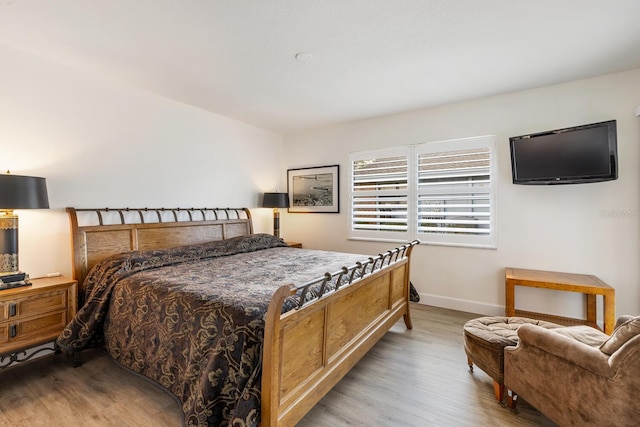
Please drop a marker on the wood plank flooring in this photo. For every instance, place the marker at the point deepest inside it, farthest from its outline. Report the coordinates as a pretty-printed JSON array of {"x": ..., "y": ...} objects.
[{"x": 413, "y": 377}]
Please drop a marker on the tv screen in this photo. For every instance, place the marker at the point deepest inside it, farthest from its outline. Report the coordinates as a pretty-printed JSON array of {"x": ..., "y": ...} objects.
[{"x": 579, "y": 154}]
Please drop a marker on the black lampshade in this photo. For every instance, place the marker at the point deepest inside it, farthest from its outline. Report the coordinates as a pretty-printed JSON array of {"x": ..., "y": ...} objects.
[
  {"x": 23, "y": 192},
  {"x": 275, "y": 200},
  {"x": 16, "y": 192}
]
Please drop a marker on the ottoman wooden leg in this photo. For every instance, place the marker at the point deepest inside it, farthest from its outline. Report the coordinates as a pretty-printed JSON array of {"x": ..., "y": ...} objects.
[
  {"x": 498, "y": 389},
  {"x": 470, "y": 363}
]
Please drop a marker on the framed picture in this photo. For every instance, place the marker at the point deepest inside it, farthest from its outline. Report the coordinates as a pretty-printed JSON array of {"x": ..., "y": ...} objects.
[{"x": 314, "y": 189}]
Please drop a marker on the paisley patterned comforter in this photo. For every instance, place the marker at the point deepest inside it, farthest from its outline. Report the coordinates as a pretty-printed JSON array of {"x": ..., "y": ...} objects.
[{"x": 192, "y": 318}]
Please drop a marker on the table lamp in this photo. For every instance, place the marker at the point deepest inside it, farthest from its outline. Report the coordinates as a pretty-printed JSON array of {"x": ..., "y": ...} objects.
[
  {"x": 275, "y": 201},
  {"x": 16, "y": 192}
]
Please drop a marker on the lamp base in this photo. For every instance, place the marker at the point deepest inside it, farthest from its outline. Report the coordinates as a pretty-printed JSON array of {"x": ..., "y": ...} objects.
[
  {"x": 8, "y": 242},
  {"x": 276, "y": 222}
]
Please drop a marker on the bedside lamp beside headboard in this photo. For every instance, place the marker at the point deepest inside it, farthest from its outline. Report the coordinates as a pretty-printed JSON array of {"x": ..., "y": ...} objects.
[
  {"x": 16, "y": 192},
  {"x": 275, "y": 201}
]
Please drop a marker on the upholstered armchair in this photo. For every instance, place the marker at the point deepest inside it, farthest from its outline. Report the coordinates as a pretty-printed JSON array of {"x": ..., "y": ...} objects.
[{"x": 577, "y": 376}]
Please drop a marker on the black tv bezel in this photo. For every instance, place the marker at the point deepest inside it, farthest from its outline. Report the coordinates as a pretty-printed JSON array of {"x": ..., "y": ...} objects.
[{"x": 611, "y": 126}]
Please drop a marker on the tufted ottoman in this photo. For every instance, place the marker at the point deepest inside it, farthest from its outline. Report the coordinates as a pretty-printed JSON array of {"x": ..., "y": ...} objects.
[{"x": 485, "y": 339}]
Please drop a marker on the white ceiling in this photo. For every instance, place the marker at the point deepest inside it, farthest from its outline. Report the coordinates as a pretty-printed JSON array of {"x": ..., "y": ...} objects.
[{"x": 370, "y": 57}]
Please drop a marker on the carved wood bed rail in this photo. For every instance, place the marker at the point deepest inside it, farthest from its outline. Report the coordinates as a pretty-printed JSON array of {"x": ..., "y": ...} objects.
[{"x": 306, "y": 350}]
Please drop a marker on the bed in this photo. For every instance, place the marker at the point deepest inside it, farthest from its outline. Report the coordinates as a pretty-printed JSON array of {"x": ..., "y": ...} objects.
[{"x": 278, "y": 330}]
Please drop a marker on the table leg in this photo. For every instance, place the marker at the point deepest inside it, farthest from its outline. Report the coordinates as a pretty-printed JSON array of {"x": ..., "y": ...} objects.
[
  {"x": 609, "y": 304},
  {"x": 510, "y": 303},
  {"x": 592, "y": 317}
]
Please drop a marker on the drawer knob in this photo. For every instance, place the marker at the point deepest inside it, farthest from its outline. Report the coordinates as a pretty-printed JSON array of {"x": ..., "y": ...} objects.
[
  {"x": 13, "y": 331},
  {"x": 12, "y": 309}
]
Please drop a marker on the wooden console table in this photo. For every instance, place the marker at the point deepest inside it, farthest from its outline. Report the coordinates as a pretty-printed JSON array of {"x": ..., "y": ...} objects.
[{"x": 588, "y": 285}]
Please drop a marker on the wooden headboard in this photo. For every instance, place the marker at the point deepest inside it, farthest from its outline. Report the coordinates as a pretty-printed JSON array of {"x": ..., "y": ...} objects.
[{"x": 99, "y": 233}]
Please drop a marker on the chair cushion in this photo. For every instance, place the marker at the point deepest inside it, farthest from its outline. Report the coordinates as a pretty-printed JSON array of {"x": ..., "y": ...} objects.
[
  {"x": 621, "y": 335},
  {"x": 501, "y": 331},
  {"x": 584, "y": 334}
]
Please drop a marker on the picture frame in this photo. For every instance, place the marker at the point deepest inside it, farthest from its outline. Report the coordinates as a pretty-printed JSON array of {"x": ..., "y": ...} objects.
[{"x": 314, "y": 189}]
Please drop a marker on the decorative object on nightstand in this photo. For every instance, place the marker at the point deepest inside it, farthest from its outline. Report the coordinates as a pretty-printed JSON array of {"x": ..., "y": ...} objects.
[
  {"x": 276, "y": 201},
  {"x": 34, "y": 315},
  {"x": 16, "y": 192}
]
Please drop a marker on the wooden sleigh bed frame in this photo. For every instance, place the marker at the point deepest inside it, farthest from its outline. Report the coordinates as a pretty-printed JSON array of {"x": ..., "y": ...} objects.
[{"x": 307, "y": 350}]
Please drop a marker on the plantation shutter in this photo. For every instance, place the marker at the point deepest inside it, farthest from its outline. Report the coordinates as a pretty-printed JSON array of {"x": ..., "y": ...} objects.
[
  {"x": 455, "y": 192},
  {"x": 379, "y": 195},
  {"x": 441, "y": 193}
]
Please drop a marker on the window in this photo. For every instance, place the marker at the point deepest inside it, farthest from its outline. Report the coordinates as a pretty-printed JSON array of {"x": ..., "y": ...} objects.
[
  {"x": 440, "y": 193},
  {"x": 380, "y": 195}
]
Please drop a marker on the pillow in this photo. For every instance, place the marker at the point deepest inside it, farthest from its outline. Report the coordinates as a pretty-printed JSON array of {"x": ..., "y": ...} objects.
[{"x": 621, "y": 335}]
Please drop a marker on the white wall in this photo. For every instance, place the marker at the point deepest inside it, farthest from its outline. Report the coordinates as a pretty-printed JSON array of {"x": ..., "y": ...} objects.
[
  {"x": 101, "y": 144},
  {"x": 559, "y": 228}
]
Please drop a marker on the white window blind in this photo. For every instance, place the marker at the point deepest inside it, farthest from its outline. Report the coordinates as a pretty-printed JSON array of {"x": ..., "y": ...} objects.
[
  {"x": 380, "y": 195},
  {"x": 440, "y": 193},
  {"x": 455, "y": 192}
]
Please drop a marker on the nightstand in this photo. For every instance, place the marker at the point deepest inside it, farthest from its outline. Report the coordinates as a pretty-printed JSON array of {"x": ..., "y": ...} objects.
[
  {"x": 294, "y": 244},
  {"x": 33, "y": 315}
]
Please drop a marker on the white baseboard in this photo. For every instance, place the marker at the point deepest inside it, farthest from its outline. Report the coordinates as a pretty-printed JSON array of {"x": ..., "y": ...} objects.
[{"x": 462, "y": 305}]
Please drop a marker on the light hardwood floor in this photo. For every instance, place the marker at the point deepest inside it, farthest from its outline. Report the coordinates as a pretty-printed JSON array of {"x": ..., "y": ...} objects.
[{"x": 413, "y": 377}]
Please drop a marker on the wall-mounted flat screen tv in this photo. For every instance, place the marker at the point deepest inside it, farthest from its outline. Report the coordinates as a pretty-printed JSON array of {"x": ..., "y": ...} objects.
[{"x": 574, "y": 155}]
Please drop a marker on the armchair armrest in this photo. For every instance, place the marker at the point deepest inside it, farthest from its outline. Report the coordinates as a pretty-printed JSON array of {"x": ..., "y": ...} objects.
[
  {"x": 623, "y": 319},
  {"x": 571, "y": 350}
]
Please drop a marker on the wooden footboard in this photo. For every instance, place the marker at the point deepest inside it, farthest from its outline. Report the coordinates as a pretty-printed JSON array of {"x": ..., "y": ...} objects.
[{"x": 308, "y": 350}]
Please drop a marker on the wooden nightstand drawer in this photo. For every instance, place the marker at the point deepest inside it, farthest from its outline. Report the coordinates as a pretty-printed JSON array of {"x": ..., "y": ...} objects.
[
  {"x": 4, "y": 333},
  {"x": 4, "y": 311},
  {"x": 41, "y": 303},
  {"x": 40, "y": 325}
]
